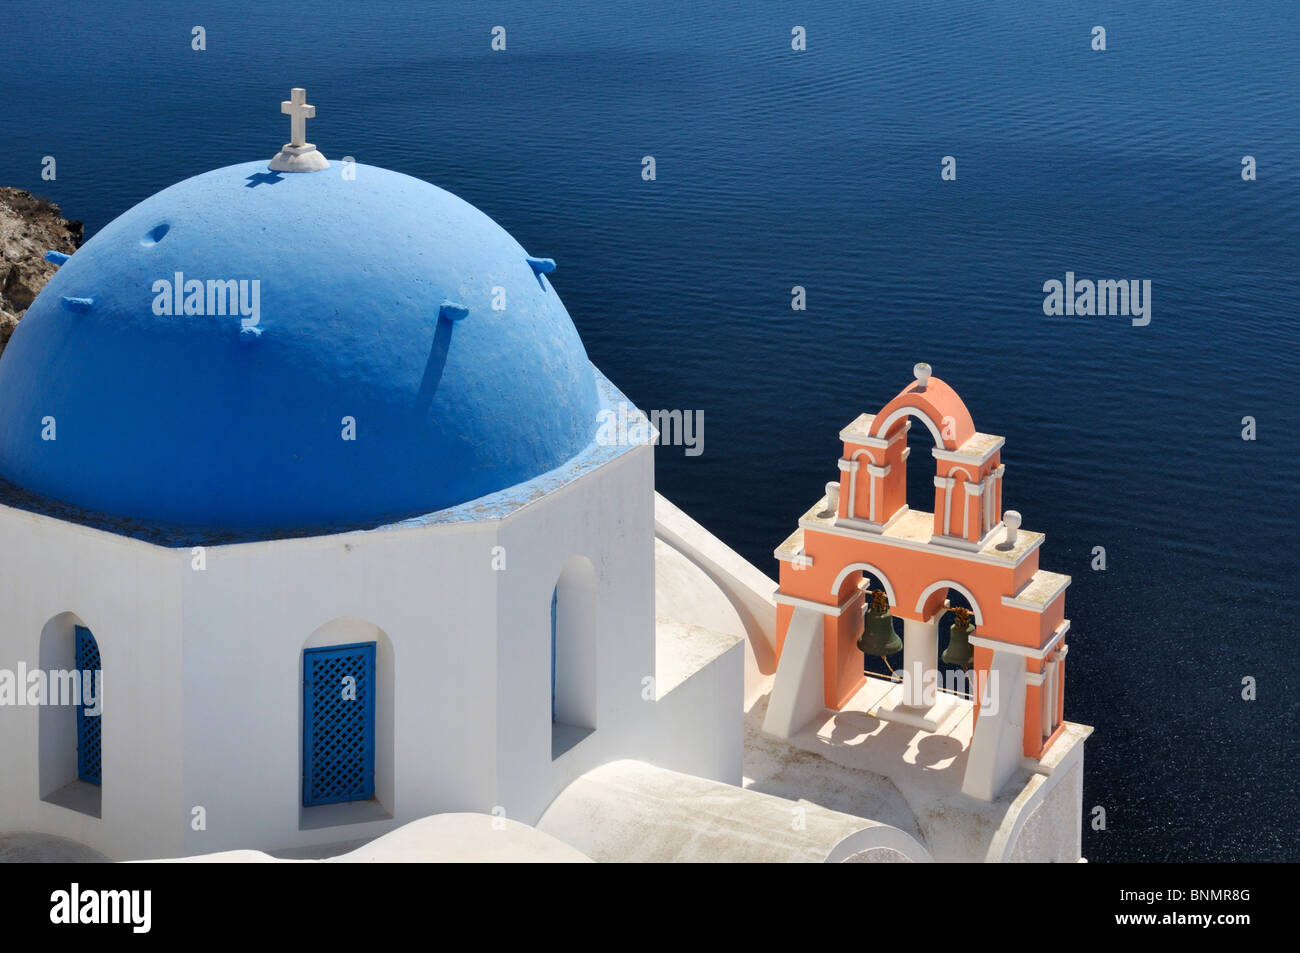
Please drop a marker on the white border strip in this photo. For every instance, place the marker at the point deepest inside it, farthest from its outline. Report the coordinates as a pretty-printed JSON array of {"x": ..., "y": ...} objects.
[{"x": 999, "y": 646}]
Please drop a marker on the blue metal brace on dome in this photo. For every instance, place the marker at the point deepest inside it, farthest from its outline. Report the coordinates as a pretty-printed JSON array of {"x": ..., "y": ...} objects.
[
  {"x": 452, "y": 311},
  {"x": 78, "y": 305},
  {"x": 541, "y": 266}
]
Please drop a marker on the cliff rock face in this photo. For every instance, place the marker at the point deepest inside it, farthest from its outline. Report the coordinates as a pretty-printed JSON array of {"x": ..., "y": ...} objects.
[{"x": 29, "y": 227}]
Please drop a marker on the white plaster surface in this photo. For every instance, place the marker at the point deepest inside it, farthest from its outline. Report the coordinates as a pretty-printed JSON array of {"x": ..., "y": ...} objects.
[
  {"x": 443, "y": 838},
  {"x": 748, "y": 590},
  {"x": 129, "y": 594},
  {"x": 632, "y": 811},
  {"x": 1040, "y": 838},
  {"x": 909, "y": 778},
  {"x": 23, "y": 848}
]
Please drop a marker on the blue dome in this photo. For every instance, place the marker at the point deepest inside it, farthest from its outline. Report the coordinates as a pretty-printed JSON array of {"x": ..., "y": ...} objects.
[{"x": 373, "y": 301}]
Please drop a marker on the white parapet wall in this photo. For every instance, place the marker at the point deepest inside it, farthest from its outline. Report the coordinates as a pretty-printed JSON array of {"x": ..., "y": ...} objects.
[{"x": 749, "y": 590}]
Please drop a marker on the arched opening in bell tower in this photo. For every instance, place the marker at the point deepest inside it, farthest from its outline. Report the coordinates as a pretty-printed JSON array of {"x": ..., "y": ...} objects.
[{"x": 952, "y": 615}]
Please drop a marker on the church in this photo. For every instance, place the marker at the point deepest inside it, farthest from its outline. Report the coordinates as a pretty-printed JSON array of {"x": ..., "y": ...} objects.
[{"x": 302, "y": 466}]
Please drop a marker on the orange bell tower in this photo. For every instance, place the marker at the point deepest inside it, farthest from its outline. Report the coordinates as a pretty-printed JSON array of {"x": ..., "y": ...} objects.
[{"x": 863, "y": 535}]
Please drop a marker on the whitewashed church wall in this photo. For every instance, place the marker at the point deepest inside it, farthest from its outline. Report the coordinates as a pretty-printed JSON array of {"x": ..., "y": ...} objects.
[
  {"x": 129, "y": 595},
  {"x": 248, "y": 617},
  {"x": 606, "y": 516}
]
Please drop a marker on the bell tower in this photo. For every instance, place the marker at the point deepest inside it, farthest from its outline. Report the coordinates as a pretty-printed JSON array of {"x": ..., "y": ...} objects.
[{"x": 861, "y": 553}]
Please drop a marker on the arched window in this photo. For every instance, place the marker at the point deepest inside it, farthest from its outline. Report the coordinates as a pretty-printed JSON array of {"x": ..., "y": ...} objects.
[
  {"x": 70, "y": 722},
  {"x": 347, "y": 727},
  {"x": 573, "y": 655}
]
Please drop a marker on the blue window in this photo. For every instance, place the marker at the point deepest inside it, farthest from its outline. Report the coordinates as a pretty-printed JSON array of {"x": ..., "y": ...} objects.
[
  {"x": 89, "y": 727},
  {"x": 338, "y": 724}
]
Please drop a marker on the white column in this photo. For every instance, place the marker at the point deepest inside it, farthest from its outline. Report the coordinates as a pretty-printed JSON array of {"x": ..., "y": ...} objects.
[
  {"x": 997, "y": 494},
  {"x": 1052, "y": 689},
  {"x": 850, "y": 467},
  {"x": 1049, "y": 696},
  {"x": 988, "y": 506},
  {"x": 1061, "y": 653},
  {"x": 995, "y": 750},
  {"x": 946, "y": 484},
  {"x": 920, "y": 662},
  {"x": 798, "y": 691},
  {"x": 972, "y": 490},
  {"x": 875, "y": 473}
]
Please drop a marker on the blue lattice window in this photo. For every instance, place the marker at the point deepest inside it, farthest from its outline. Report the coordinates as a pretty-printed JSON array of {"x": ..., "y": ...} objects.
[
  {"x": 338, "y": 719},
  {"x": 89, "y": 727}
]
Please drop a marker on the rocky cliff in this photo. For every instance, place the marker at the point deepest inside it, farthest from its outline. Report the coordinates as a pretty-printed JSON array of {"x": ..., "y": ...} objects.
[{"x": 29, "y": 227}]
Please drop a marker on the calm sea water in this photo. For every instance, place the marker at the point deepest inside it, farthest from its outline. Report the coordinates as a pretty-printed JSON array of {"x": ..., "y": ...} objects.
[{"x": 821, "y": 169}]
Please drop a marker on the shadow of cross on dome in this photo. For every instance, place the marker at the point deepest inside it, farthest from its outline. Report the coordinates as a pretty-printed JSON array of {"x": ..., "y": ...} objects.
[{"x": 258, "y": 178}]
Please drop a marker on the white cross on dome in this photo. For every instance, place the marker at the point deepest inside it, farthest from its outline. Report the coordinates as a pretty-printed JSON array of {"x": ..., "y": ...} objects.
[
  {"x": 298, "y": 111},
  {"x": 298, "y": 155}
]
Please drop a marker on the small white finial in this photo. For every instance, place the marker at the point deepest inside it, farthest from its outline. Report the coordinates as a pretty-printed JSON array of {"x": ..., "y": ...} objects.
[
  {"x": 298, "y": 155},
  {"x": 832, "y": 499},
  {"x": 1011, "y": 519},
  {"x": 922, "y": 372}
]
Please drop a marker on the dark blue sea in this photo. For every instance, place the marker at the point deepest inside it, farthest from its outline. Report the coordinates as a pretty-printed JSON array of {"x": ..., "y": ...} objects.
[{"x": 821, "y": 168}]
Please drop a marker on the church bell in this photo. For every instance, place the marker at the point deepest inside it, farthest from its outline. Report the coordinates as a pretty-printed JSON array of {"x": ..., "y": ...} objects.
[
  {"x": 878, "y": 636},
  {"x": 959, "y": 651}
]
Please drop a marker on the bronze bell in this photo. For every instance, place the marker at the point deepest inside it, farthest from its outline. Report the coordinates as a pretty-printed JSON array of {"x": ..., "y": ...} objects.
[
  {"x": 878, "y": 636},
  {"x": 959, "y": 651}
]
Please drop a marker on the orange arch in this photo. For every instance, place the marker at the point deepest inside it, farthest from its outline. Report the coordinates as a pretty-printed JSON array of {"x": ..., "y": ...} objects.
[
  {"x": 871, "y": 570},
  {"x": 944, "y": 585},
  {"x": 936, "y": 405}
]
